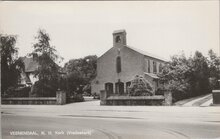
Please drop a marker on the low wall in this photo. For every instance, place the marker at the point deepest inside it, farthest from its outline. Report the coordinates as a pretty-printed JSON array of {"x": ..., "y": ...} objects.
[
  {"x": 60, "y": 99},
  {"x": 165, "y": 99},
  {"x": 216, "y": 97},
  {"x": 135, "y": 100},
  {"x": 43, "y": 100}
]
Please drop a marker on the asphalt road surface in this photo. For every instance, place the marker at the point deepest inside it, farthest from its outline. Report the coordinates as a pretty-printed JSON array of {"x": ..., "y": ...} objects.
[{"x": 110, "y": 122}]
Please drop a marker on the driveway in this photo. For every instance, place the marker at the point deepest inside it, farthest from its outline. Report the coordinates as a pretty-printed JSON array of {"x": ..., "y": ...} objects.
[{"x": 204, "y": 100}]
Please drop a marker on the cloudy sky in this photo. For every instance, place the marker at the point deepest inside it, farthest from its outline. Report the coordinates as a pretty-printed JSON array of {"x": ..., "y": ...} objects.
[{"x": 77, "y": 29}]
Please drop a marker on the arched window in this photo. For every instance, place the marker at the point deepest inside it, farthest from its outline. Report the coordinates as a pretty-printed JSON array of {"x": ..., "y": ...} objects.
[{"x": 118, "y": 64}]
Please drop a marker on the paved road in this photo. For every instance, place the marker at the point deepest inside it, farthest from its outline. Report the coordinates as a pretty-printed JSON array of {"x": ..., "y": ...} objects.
[{"x": 111, "y": 122}]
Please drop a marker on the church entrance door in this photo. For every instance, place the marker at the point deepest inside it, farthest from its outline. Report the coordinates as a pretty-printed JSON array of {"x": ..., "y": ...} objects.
[
  {"x": 119, "y": 88},
  {"x": 109, "y": 88}
]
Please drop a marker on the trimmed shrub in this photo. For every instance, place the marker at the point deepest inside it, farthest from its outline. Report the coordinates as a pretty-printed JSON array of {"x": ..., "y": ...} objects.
[{"x": 140, "y": 87}]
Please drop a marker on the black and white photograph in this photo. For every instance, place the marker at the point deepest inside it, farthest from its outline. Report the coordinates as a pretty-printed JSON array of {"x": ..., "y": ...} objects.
[{"x": 110, "y": 69}]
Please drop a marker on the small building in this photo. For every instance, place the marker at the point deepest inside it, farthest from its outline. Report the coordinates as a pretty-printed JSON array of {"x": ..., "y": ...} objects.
[
  {"x": 31, "y": 65},
  {"x": 121, "y": 63},
  {"x": 28, "y": 77}
]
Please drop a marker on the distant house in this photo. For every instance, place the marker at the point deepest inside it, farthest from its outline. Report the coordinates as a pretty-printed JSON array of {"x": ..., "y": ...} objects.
[
  {"x": 31, "y": 65},
  {"x": 27, "y": 76},
  {"x": 120, "y": 64}
]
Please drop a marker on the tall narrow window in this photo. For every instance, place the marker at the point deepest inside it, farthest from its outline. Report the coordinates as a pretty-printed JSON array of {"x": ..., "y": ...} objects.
[
  {"x": 118, "y": 64},
  {"x": 154, "y": 67},
  {"x": 148, "y": 66},
  {"x": 160, "y": 67}
]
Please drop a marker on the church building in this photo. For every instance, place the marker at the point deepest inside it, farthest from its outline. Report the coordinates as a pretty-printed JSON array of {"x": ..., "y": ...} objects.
[{"x": 121, "y": 63}]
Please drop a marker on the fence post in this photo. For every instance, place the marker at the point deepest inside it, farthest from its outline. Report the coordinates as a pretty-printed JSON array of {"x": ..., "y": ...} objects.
[
  {"x": 103, "y": 96},
  {"x": 168, "y": 98},
  {"x": 61, "y": 97}
]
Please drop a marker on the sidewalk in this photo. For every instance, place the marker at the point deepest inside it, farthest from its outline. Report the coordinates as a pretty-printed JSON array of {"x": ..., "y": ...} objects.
[{"x": 205, "y": 100}]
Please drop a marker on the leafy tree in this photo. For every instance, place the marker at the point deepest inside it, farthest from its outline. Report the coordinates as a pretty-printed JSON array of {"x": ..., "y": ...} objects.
[
  {"x": 186, "y": 77},
  {"x": 199, "y": 79},
  {"x": 48, "y": 70},
  {"x": 175, "y": 74},
  {"x": 11, "y": 66},
  {"x": 214, "y": 69},
  {"x": 80, "y": 72}
]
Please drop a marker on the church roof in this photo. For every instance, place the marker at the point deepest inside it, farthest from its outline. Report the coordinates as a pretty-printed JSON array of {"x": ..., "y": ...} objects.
[
  {"x": 147, "y": 54},
  {"x": 152, "y": 75},
  {"x": 119, "y": 31}
]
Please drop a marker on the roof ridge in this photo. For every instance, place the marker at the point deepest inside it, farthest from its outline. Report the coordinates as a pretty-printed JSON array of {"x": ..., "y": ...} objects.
[{"x": 146, "y": 53}]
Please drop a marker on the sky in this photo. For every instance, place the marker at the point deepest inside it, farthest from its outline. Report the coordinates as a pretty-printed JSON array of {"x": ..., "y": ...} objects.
[{"x": 78, "y": 29}]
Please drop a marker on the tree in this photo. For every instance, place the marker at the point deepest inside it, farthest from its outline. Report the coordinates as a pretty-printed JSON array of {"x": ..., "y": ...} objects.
[
  {"x": 48, "y": 70},
  {"x": 186, "y": 77},
  {"x": 175, "y": 74},
  {"x": 199, "y": 79},
  {"x": 80, "y": 72},
  {"x": 214, "y": 69},
  {"x": 11, "y": 66}
]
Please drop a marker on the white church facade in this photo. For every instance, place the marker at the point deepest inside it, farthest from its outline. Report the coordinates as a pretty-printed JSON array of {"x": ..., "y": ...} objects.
[{"x": 121, "y": 63}]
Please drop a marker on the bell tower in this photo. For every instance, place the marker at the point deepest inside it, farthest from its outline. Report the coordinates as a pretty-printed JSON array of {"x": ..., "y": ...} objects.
[{"x": 119, "y": 38}]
